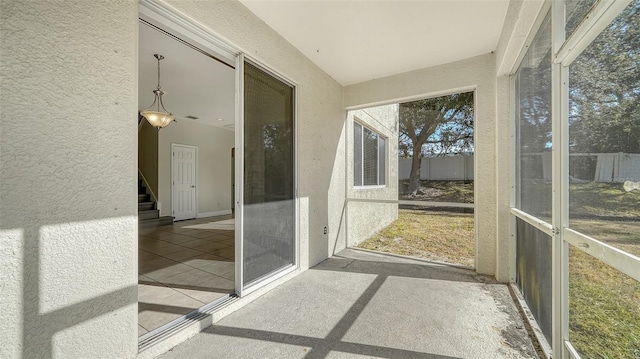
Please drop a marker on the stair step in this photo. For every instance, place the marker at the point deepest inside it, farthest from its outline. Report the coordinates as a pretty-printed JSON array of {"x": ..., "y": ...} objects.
[
  {"x": 144, "y": 197},
  {"x": 150, "y": 214},
  {"x": 155, "y": 222},
  {"x": 145, "y": 206}
]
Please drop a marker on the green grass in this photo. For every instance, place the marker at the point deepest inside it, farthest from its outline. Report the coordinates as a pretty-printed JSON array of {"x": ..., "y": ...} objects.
[
  {"x": 604, "y": 309},
  {"x": 439, "y": 236},
  {"x": 596, "y": 199},
  {"x": 623, "y": 235},
  {"x": 440, "y": 191}
]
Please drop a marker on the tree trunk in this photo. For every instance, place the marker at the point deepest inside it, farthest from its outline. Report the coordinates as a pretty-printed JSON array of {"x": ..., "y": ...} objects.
[{"x": 414, "y": 176}]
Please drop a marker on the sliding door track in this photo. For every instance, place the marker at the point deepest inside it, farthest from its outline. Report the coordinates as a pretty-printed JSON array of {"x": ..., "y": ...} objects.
[{"x": 157, "y": 335}]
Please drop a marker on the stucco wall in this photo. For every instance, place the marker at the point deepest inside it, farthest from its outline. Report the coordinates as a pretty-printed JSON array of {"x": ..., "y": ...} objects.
[
  {"x": 320, "y": 118},
  {"x": 68, "y": 158},
  {"x": 475, "y": 73},
  {"x": 68, "y": 215},
  {"x": 369, "y": 210},
  {"x": 520, "y": 19},
  {"x": 214, "y": 165}
]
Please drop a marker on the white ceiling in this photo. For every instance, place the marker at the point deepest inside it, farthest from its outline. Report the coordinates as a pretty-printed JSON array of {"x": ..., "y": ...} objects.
[
  {"x": 356, "y": 41},
  {"x": 194, "y": 84}
]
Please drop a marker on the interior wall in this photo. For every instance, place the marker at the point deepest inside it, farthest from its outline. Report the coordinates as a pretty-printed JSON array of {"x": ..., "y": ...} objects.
[
  {"x": 148, "y": 155},
  {"x": 68, "y": 158},
  {"x": 475, "y": 73},
  {"x": 320, "y": 118},
  {"x": 214, "y": 165}
]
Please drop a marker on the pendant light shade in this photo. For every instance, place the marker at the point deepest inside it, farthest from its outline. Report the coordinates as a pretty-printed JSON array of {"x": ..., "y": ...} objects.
[{"x": 156, "y": 114}]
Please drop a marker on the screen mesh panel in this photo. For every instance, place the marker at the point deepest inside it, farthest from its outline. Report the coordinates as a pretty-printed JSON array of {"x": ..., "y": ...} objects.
[
  {"x": 533, "y": 121},
  {"x": 533, "y": 273},
  {"x": 269, "y": 199}
]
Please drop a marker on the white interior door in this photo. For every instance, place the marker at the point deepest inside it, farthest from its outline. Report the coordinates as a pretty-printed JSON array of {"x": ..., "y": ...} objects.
[{"x": 183, "y": 181}]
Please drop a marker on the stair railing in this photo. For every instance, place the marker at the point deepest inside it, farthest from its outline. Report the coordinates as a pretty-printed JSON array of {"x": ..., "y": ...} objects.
[{"x": 146, "y": 184}]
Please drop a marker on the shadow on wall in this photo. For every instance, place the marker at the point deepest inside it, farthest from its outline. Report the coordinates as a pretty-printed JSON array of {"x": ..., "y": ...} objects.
[{"x": 40, "y": 327}]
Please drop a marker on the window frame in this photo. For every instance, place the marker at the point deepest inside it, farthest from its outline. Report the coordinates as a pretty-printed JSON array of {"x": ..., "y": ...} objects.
[{"x": 379, "y": 136}]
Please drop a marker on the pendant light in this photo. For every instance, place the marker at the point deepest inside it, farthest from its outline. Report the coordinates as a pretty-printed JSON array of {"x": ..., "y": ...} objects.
[{"x": 153, "y": 114}]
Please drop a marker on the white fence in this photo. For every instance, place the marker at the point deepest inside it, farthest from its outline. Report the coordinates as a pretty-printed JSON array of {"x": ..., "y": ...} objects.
[
  {"x": 597, "y": 167},
  {"x": 617, "y": 167},
  {"x": 454, "y": 168},
  {"x": 609, "y": 167}
]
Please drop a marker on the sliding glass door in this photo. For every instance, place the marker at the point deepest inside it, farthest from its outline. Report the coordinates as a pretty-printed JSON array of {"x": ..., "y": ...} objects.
[{"x": 267, "y": 210}]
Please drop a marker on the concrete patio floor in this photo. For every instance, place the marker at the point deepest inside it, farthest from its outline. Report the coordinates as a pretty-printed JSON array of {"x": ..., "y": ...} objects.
[{"x": 360, "y": 304}]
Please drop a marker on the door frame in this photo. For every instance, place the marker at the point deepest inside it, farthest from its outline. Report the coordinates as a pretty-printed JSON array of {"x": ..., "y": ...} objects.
[
  {"x": 173, "y": 146},
  {"x": 178, "y": 24},
  {"x": 241, "y": 291}
]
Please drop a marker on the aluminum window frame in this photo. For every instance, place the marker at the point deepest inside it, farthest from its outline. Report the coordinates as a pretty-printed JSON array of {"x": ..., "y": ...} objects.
[{"x": 565, "y": 51}]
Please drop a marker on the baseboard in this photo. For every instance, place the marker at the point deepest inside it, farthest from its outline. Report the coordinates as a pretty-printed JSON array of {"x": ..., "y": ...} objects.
[{"x": 213, "y": 214}]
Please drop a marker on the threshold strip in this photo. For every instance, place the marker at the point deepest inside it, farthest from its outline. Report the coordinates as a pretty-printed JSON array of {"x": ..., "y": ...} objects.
[{"x": 155, "y": 336}]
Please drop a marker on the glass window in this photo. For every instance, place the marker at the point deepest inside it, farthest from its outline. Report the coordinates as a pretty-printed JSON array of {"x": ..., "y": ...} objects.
[
  {"x": 533, "y": 126},
  {"x": 369, "y": 156},
  {"x": 604, "y": 135}
]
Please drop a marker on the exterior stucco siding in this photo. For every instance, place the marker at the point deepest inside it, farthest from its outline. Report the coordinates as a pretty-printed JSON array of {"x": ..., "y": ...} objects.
[
  {"x": 68, "y": 214},
  {"x": 320, "y": 117},
  {"x": 68, "y": 134},
  {"x": 369, "y": 210},
  {"x": 477, "y": 73}
]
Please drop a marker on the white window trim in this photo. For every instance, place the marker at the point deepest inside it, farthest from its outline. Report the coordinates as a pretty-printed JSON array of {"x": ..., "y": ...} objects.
[{"x": 386, "y": 166}]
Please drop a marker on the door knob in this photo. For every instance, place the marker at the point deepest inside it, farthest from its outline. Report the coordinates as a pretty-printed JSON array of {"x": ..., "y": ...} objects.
[{"x": 193, "y": 186}]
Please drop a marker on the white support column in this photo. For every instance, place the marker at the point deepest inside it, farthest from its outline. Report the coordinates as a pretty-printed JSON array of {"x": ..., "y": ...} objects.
[{"x": 560, "y": 176}]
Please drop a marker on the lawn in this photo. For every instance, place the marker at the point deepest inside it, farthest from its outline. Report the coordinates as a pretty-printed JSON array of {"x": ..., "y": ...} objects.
[
  {"x": 433, "y": 235},
  {"x": 439, "y": 191},
  {"x": 604, "y": 304},
  {"x": 604, "y": 309}
]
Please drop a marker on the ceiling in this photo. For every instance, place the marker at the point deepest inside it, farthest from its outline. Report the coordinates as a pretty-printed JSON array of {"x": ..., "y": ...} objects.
[
  {"x": 357, "y": 41},
  {"x": 194, "y": 84},
  {"x": 353, "y": 41}
]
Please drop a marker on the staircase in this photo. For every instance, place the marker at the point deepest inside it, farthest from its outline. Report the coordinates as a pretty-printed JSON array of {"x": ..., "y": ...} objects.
[{"x": 148, "y": 215}]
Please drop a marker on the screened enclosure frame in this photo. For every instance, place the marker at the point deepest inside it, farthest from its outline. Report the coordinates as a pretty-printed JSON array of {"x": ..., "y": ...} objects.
[{"x": 565, "y": 50}]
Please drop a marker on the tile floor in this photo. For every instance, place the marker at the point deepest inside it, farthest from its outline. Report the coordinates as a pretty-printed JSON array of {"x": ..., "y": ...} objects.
[{"x": 182, "y": 267}]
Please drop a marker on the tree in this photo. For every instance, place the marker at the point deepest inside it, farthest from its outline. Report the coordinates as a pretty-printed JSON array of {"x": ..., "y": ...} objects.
[
  {"x": 438, "y": 126},
  {"x": 604, "y": 82}
]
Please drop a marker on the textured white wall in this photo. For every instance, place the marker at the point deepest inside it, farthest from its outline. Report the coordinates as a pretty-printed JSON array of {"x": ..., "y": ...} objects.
[
  {"x": 476, "y": 73},
  {"x": 320, "y": 117},
  {"x": 369, "y": 210},
  {"x": 214, "y": 164},
  {"x": 68, "y": 214},
  {"x": 521, "y": 16}
]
